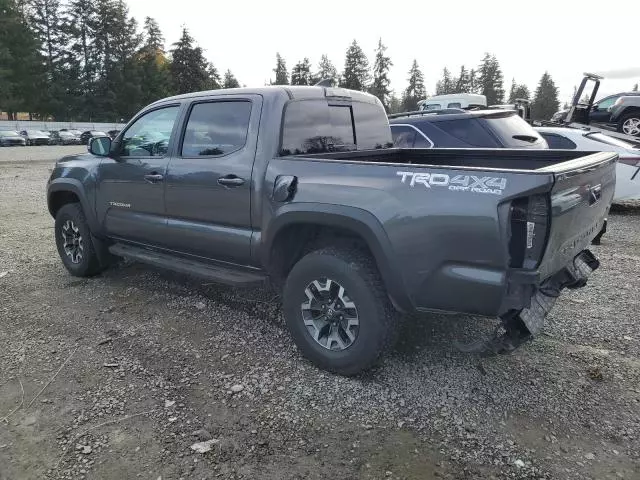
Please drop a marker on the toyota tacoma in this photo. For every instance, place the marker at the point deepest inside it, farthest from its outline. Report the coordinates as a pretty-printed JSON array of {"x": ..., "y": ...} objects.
[{"x": 299, "y": 185}]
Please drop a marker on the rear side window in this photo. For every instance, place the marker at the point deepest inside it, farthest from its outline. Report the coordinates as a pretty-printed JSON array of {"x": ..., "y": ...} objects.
[
  {"x": 512, "y": 130},
  {"x": 216, "y": 128},
  {"x": 403, "y": 137},
  {"x": 455, "y": 105},
  {"x": 558, "y": 142},
  {"x": 315, "y": 126},
  {"x": 468, "y": 131}
]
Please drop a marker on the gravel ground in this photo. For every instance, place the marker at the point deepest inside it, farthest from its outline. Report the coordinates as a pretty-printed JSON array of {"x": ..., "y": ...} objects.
[
  {"x": 119, "y": 376},
  {"x": 19, "y": 155}
]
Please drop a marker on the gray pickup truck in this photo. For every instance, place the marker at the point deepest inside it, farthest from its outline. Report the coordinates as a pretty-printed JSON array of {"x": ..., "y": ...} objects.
[{"x": 300, "y": 185}]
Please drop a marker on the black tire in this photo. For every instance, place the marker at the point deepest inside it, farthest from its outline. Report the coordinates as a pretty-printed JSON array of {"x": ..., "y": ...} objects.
[
  {"x": 88, "y": 263},
  {"x": 632, "y": 115},
  {"x": 356, "y": 271}
]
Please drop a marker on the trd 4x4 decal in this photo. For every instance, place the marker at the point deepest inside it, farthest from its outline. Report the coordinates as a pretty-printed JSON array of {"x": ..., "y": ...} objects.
[{"x": 458, "y": 183}]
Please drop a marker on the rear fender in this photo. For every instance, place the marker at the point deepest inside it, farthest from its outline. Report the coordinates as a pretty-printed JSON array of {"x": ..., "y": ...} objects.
[{"x": 360, "y": 222}]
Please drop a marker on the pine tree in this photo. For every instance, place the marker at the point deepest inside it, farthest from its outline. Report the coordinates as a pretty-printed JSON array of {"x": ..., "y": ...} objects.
[
  {"x": 230, "y": 81},
  {"x": 473, "y": 81},
  {"x": 518, "y": 90},
  {"x": 380, "y": 86},
  {"x": 326, "y": 69},
  {"x": 462, "y": 82},
  {"x": 213, "y": 82},
  {"x": 395, "y": 104},
  {"x": 635, "y": 88},
  {"x": 154, "y": 65},
  {"x": 356, "y": 69},
  {"x": 47, "y": 24},
  {"x": 189, "y": 69},
  {"x": 491, "y": 81},
  {"x": 22, "y": 77},
  {"x": 301, "y": 73},
  {"x": 81, "y": 63},
  {"x": 446, "y": 84},
  {"x": 545, "y": 102},
  {"x": 415, "y": 91},
  {"x": 282, "y": 75}
]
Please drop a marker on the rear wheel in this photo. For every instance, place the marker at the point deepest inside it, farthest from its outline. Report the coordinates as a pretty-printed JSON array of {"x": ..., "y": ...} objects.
[
  {"x": 337, "y": 310},
  {"x": 630, "y": 124},
  {"x": 73, "y": 239}
]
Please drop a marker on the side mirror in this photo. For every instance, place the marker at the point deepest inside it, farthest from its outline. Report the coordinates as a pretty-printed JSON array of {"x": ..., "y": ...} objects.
[
  {"x": 594, "y": 108},
  {"x": 100, "y": 146}
]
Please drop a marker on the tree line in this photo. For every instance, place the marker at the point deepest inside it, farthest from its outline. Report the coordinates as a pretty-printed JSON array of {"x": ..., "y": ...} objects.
[{"x": 90, "y": 60}]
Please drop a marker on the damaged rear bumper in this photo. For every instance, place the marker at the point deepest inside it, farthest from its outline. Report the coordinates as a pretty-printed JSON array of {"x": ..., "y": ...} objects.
[{"x": 521, "y": 324}]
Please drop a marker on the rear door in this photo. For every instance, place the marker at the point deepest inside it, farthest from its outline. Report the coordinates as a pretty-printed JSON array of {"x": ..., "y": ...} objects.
[
  {"x": 130, "y": 187},
  {"x": 208, "y": 184},
  {"x": 580, "y": 200}
]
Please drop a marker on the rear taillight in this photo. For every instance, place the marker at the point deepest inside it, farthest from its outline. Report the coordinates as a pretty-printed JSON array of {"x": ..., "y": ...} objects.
[{"x": 529, "y": 222}]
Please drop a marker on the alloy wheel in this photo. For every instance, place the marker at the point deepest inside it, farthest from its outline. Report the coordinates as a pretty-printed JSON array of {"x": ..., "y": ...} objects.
[
  {"x": 72, "y": 242},
  {"x": 329, "y": 314}
]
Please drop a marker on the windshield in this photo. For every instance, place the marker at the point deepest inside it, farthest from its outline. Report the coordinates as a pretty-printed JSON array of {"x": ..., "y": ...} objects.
[
  {"x": 513, "y": 130},
  {"x": 8, "y": 133},
  {"x": 599, "y": 137}
]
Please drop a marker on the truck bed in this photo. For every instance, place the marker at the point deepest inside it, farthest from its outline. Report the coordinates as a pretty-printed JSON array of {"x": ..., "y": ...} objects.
[{"x": 502, "y": 159}]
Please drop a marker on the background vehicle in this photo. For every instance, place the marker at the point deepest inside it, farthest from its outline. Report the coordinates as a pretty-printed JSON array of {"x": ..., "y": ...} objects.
[
  {"x": 627, "y": 169},
  {"x": 521, "y": 105},
  {"x": 77, "y": 133},
  {"x": 64, "y": 138},
  {"x": 35, "y": 137},
  {"x": 453, "y": 100},
  {"x": 113, "y": 133},
  {"x": 458, "y": 129},
  {"x": 625, "y": 114},
  {"x": 9, "y": 138},
  {"x": 89, "y": 134},
  {"x": 598, "y": 114},
  {"x": 298, "y": 184}
]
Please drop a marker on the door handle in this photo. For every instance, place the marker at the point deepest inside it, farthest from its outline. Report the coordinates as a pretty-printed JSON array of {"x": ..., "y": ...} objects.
[
  {"x": 231, "y": 181},
  {"x": 154, "y": 178}
]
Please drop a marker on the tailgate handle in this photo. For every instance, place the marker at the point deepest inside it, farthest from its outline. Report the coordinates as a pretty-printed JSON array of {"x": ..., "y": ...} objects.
[{"x": 595, "y": 193}]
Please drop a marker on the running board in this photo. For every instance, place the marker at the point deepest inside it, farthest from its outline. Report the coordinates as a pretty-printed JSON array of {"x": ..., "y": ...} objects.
[{"x": 214, "y": 273}]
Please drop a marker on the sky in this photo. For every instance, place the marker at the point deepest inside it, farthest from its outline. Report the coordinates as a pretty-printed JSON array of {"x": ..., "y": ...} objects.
[{"x": 563, "y": 37}]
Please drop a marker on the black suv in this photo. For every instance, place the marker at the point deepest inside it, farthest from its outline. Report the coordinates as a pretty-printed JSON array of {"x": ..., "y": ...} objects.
[{"x": 454, "y": 128}]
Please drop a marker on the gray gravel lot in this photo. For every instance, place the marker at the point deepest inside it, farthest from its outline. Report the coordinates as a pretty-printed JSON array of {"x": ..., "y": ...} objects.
[
  {"x": 18, "y": 155},
  {"x": 153, "y": 363}
]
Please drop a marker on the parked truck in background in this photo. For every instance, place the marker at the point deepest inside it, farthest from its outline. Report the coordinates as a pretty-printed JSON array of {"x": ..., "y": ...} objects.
[{"x": 299, "y": 185}]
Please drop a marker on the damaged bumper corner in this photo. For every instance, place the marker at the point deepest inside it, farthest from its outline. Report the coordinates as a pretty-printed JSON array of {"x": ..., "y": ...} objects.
[{"x": 521, "y": 326}]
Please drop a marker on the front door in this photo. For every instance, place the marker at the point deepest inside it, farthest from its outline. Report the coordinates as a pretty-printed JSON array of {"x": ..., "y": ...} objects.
[
  {"x": 600, "y": 111},
  {"x": 130, "y": 186},
  {"x": 208, "y": 185}
]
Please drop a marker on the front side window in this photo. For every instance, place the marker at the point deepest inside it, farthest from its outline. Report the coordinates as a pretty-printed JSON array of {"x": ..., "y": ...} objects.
[
  {"x": 429, "y": 107},
  {"x": 216, "y": 128},
  {"x": 606, "y": 103},
  {"x": 149, "y": 135},
  {"x": 454, "y": 105}
]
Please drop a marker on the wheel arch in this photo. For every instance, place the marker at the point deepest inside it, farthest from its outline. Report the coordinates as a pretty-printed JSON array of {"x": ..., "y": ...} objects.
[
  {"x": 62, "y": 191},
  {"x": 297, "y": 228}
]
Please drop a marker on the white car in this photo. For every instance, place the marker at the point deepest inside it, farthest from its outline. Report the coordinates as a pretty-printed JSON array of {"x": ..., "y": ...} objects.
[{"x": 628, "y": 169}]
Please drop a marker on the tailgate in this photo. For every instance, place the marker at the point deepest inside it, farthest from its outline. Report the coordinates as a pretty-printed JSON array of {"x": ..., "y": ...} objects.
[{"x": 580, "y": 199}]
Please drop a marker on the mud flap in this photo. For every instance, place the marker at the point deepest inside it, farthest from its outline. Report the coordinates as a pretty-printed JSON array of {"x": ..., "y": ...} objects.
[{"x": 520, "y": 327}]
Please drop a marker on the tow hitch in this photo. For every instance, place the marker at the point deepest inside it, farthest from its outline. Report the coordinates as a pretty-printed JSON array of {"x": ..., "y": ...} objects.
[{"x": 518, "y": 327}]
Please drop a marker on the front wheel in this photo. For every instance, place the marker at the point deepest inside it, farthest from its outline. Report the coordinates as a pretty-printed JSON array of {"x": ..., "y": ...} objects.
[
  {"x": 337, "y": 310},
  {"x": 630, "y": 124},
  {"x": 73, "y": 239}
]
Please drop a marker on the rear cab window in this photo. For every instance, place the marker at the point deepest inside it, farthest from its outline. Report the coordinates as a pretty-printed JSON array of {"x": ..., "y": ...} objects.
[{"x": 321, "y": 126}]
